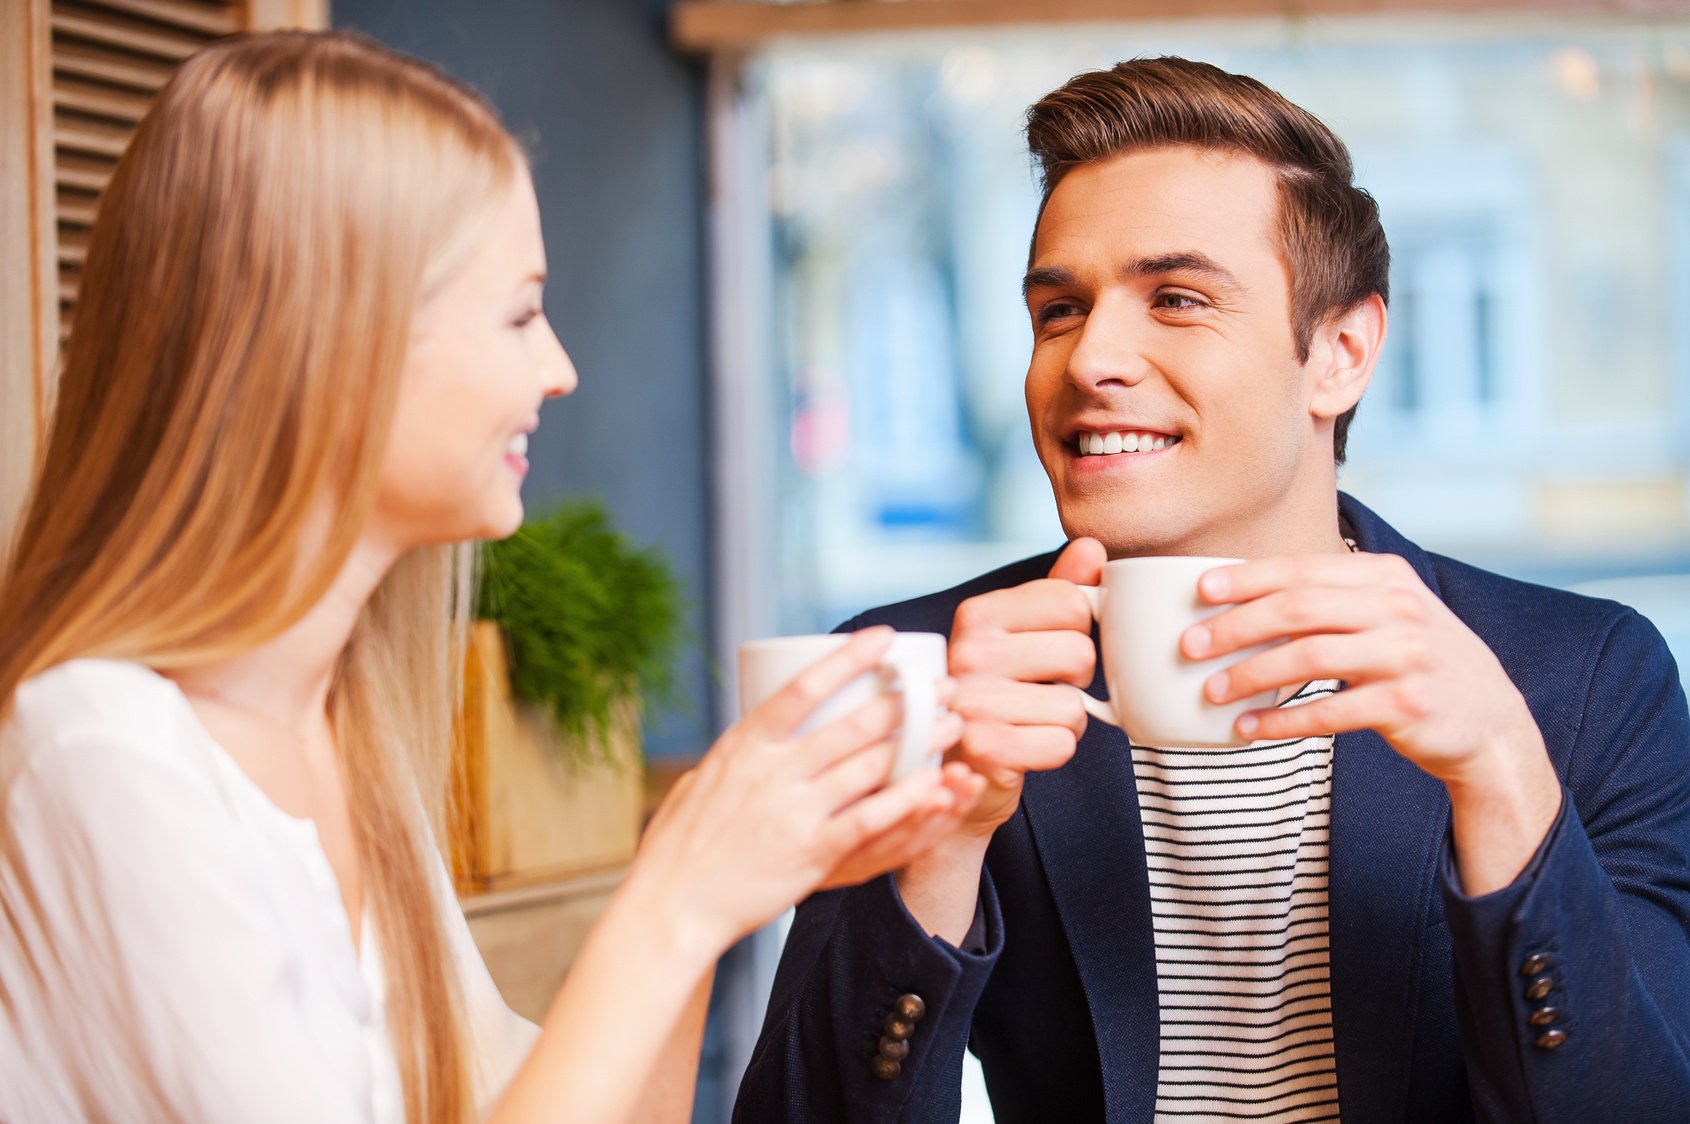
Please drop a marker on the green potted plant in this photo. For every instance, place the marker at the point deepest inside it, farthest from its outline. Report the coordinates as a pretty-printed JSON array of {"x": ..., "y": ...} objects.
[{"x": 576, "y": 628}]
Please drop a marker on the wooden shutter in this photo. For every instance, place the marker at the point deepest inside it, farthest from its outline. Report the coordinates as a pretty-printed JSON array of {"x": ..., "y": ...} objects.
[
  {"x": 109, "y": 59},
  {"x": 77, "y": 78}
]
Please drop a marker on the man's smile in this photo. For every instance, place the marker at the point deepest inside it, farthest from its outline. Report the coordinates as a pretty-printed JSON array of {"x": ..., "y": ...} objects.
[{"x": 1110, "y": 442}]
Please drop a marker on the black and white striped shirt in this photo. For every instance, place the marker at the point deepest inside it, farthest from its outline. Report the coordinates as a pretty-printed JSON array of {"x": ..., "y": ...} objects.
[{"x": 1237, "y": 843}]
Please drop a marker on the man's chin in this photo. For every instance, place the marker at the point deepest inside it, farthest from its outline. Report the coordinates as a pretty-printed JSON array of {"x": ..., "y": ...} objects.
[{"x": 1129, "y": 530}]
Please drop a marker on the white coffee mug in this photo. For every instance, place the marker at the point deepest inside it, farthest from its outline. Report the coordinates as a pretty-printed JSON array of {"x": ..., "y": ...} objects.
[
  {"x": 1156, "y": 696},
  {"x": 912, "y": 668}
]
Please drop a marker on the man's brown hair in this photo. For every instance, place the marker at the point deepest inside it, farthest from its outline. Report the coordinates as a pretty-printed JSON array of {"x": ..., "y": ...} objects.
[{"x": 1329, "y": 231}]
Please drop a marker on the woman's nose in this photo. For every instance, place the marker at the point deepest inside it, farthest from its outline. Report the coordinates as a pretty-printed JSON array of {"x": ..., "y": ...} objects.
[{"x": 558, "y": 371}]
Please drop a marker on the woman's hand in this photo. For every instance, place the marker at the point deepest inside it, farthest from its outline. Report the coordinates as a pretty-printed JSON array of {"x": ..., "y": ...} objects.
[{"x": 768, "y": 816}]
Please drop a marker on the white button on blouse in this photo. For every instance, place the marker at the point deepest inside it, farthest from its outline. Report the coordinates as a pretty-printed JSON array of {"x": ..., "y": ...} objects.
[{"x": 173, "y": 946}]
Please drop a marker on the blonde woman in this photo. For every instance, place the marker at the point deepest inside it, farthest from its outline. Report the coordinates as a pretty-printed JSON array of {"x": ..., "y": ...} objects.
[{"x": 306, "y": 359}]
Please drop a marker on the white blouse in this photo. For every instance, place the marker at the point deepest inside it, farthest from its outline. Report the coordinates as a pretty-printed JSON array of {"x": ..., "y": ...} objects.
[{"x": 173, "y": 946}]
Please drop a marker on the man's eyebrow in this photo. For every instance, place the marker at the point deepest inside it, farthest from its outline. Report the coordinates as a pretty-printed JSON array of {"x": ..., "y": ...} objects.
[
  {"x": 1047, "y": 276},
  {"x": 1181, "y": 261}
]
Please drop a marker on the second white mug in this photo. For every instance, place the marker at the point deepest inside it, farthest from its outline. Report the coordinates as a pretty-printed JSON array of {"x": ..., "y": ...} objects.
[{"x": 912, "y": 668}]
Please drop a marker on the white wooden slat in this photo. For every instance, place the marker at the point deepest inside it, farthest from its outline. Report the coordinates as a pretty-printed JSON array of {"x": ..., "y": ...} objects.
[
  {"x": 128, "y": 35},
  {"x": 99, "y": 100},
  {"x": 89, "y": 135},
  {"x": 73, "y": 247},
  {"x": 104, "y": 64},
  {"x": 89, "y": 173},
  {"x": 75, "y": 208},
  {"x": 210, "y": 20}
]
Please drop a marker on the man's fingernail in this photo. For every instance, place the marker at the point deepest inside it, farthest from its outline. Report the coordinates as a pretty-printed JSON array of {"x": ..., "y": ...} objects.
[
  {"x": 1247, "y": 725},
  {"x": 1214, "y": 583},
  {"x": 1217, "y": 685}
]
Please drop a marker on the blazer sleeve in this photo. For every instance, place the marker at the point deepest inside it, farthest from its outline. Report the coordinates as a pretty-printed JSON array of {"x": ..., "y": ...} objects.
[
  {"x": 1573, "y": 983},
  {"x": 851, "y": 956}
]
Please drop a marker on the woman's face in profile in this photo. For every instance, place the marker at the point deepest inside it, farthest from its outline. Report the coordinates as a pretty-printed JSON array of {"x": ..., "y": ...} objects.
[{"x": 482, "y": 359}]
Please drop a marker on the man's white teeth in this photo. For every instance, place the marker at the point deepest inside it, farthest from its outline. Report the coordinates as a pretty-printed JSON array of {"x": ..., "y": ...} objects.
[
  {"x": 1123, "y": 441},
  {"x": 518, "y": 445}
]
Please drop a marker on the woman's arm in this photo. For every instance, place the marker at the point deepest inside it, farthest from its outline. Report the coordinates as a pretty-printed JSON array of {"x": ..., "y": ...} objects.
[
  {"x": 767, "y": 817},
  {"x": 669, "y": 1095},
  {"x": 621, "y": 1040}
]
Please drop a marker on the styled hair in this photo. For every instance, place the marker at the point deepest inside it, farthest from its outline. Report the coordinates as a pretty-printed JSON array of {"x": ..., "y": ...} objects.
[
  {"x": 227, "y": 390},
  {"x": 1329, "y": 230}
]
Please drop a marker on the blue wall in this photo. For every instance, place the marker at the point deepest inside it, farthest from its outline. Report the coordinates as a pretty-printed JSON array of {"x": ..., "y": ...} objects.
[{"x": 614, "y": 122}]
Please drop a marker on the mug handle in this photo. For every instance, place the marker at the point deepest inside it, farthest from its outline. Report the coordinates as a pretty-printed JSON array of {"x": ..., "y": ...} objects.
[
  {"x": 921, "y": 713},
  {"x": 1101, "y": 709}
]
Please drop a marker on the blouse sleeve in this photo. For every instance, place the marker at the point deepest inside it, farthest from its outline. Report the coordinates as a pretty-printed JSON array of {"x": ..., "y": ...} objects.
[{"x": 142, "y": 974}]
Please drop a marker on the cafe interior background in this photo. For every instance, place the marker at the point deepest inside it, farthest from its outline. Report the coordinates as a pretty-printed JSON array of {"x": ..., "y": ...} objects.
[{"x": 785, "y": 244}]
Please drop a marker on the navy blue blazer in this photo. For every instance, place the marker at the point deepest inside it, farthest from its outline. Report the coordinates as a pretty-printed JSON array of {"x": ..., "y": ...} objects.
[{"x": 1429, "y": 1009}]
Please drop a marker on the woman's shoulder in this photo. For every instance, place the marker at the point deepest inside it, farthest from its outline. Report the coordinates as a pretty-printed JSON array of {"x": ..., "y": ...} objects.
[{"x": 99, "y": 705}]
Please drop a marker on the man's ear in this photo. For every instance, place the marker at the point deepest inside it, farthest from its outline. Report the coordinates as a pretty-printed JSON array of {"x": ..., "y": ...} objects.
[{"x": 1342, "y": 356}]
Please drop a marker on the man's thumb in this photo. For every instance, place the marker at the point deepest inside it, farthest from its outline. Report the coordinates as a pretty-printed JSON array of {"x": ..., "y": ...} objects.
[{"x": 1081, "y": 562}]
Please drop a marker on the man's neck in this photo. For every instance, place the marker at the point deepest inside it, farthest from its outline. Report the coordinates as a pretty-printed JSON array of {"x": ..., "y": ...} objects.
[{"x": 1295, "y": 526}]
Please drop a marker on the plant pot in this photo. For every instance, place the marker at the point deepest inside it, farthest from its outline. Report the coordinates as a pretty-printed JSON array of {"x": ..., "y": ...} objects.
[{"x": 528, "y": 807}]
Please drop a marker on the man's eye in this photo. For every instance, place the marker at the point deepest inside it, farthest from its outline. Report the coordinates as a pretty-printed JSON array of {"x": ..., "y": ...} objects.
[
  {"x": 526, "y": 318},
  {"x": 1179, "y": 302},
  {"x": 1056, "y": 310}
]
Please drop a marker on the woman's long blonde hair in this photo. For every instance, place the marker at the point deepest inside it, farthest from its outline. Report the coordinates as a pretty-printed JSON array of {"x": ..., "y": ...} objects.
[{"x": 233, "y": 364}]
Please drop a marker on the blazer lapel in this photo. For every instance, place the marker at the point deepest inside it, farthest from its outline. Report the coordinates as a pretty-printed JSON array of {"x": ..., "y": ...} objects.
[
  {"x": 1085, "y": 826},
  {"x": 1389, "y": 821},
  {"x": 1388, "y": 824}
]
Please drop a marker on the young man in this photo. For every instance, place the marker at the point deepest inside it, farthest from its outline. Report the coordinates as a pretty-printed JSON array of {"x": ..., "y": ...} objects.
[{"x": 1450, "y": 879}]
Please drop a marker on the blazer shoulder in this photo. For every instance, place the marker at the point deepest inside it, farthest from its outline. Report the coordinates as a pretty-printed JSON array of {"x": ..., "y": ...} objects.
[
  {"x": 934, "y": 611},
  {"x": 1547, "y": 637},
  {"x": 1550, "y": 640}
]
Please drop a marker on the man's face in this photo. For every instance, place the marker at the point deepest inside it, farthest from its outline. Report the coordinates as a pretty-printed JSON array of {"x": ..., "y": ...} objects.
[{"x": 1165, "y": 396}]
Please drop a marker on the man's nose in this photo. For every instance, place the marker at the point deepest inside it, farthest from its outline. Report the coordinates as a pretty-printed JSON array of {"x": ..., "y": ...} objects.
[{"x": 1110, "y": 350}]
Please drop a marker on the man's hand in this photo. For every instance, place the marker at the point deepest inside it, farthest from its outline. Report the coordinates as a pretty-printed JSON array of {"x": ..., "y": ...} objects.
[
  {"x": 1013, "y": 654},
  {"x": 1412, "y": 671},
  {"x": 1016, "y": 655}
]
